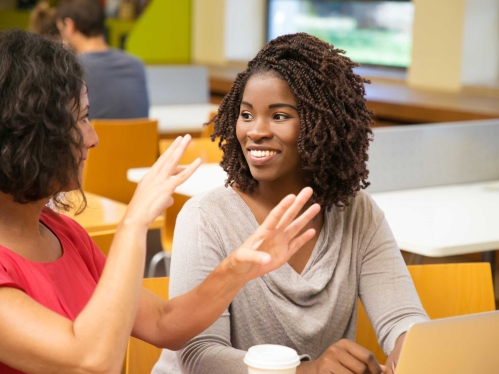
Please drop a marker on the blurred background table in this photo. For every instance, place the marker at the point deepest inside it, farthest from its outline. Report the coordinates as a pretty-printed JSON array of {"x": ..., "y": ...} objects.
[
  {"x": 443, "y": 221},
  {"x": 205, "y": 178},
  {"x": 174, "y": 120},
  {"x": 103, "y": 214},
  {"x": 101, "y": 218}
]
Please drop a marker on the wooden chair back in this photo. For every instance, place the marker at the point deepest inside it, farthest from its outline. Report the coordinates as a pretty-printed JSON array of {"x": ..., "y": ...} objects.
[
  {"x": 445, "y": 290},
  {"x": 209, "y": 153},
  {"x": 204, "y": 148},
  {"x": 123, "y": 144},
  {"x": 142, "y": 356}
]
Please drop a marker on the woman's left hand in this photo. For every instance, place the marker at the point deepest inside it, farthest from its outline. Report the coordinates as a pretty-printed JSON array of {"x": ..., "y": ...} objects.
[{"x": 277, "y": 239}]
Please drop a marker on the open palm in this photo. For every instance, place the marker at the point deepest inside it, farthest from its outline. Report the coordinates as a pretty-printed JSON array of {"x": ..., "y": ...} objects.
[{"x": 277, "y": 239}]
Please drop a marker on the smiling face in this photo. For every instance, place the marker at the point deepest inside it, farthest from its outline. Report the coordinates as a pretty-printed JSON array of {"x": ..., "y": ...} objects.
[{"x": 267, "y": 129}]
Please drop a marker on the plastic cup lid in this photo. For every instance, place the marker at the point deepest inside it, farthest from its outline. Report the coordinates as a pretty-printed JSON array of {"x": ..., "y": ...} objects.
[{"x": 271, "y": 356}]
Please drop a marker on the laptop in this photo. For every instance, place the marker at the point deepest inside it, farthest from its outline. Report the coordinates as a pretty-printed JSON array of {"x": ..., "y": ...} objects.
[{"x": 458, "y": 345}]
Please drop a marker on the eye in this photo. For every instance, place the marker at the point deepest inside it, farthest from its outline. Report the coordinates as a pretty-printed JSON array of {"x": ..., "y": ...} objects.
[
  {"x": 246, "y": 115},
  {"x": 280, "y": 116}
]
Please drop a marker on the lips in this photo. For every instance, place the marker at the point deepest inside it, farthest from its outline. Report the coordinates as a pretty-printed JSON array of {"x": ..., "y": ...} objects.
[{"x": 262, "y": 156}]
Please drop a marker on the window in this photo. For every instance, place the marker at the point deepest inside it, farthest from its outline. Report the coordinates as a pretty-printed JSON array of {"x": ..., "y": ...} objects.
[{"x": 371, "y": 32}]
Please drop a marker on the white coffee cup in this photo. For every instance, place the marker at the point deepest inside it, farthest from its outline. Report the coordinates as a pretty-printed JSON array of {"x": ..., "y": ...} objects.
[{"x": 271, "y": 359}]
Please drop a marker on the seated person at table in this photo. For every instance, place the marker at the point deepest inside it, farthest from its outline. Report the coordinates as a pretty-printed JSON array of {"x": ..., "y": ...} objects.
[
  {"x": 63, "y": 307},
  {"x": 42, "y": 21},
  {"x": 116, "y": 81},
  {"x": 295, "y": 117}
]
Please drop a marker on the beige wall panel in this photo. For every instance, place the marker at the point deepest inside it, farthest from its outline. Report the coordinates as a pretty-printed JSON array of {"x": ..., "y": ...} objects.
[
  {"x": 437, "y": 44},
  {"x": 208, "y": 32}
]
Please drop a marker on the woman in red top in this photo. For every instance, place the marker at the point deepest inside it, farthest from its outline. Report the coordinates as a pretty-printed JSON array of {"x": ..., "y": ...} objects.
[{"x": 63, "y": 306}]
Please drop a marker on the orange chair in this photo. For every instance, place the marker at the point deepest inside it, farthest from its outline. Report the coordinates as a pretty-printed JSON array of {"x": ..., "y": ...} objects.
[
  {"x": 445, "y": 290},
  {"x": 123, "y": 144},
  {"x": 141, "y": 356}
]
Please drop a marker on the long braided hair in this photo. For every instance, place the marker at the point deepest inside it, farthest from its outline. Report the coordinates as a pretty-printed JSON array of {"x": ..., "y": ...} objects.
[{"x": 334, "y": 120}]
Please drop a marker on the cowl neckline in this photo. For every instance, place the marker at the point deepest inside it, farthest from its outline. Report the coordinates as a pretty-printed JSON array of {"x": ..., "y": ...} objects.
[{"x": 300, "y": 289}]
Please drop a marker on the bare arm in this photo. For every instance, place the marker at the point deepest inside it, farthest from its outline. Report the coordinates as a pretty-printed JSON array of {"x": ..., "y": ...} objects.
[
  {"x": 177, "y": 321},
  {"x": 95, "y": 342}
]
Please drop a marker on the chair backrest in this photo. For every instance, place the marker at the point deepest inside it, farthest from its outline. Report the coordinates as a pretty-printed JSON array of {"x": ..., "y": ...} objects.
[
  {"x": 199, "y": 147},
  {"x": 123, "y": 144},
  {"x": 177, "y": 84},
  {"x": 416, "y": 156},
  {"x": 445, "y": 290},
  {"x": 204, "y": 148},
  {"x": 141, "y": 356}
]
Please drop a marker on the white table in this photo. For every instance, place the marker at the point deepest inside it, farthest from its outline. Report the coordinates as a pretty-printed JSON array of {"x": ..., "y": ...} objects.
[
  {"x": 205, "y": 178},
  {"x": 434, "y": 222},
  {"x": 444, "y": 221},
  {"x": 181, "y": 119}
]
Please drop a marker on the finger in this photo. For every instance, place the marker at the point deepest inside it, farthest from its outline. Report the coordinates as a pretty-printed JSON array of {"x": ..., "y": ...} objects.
[
  {"x": 353, "y": 365},
  {"x": 165, "y": 156},
  {"x": 298, "y": 242},
  {"x": 300, "y": 201},
  {"x": 364, "y": 355},
  {"x": 384, "y": 370},
  {"x": 276, "y": 214},
  {"x": 179, "y": 169},
  {"x": 182, "y": 176},
  {"x": 337, "y": 368},
  {"x": 177, "y": 153},
  {"x": 298, "y": 224}
]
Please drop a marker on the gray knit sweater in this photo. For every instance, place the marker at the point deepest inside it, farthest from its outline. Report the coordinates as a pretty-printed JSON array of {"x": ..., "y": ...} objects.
[{"x": 355, "y": 255}]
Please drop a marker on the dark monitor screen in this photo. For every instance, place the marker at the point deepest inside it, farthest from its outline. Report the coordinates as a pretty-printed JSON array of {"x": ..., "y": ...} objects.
[{"x": 371, "y": 32}]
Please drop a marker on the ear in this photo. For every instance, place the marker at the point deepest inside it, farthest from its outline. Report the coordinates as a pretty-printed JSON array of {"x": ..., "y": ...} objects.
[{"x": 69, "y": 26}]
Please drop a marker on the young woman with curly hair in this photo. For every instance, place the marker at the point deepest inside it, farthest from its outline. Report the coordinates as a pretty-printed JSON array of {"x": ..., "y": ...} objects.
[
  {"x": 63, "y": 307},
  {"x": 296, "y": 117}
]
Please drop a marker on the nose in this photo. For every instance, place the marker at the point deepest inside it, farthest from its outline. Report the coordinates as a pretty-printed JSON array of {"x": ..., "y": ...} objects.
[
  {"x": 90, "y": 138},
  {"x": 260, "y": 130}
]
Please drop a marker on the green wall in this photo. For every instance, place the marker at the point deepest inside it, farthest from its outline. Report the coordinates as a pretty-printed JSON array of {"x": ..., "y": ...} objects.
[
  {"x": 10, "y": 18},
  {"x": 162, "y": 34}
]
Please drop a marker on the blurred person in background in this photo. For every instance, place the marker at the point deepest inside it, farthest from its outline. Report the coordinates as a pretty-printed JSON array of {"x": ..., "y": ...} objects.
[
  {"x": 116, "y": 80},
  {"x": 42, "y": 21}
]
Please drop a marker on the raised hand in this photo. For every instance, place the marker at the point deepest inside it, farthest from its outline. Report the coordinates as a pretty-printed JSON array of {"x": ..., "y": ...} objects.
[
  {"x": 154, "y": 191},
  {"x": 277, "y": 239},
  {"x": 343, "y": 357}
]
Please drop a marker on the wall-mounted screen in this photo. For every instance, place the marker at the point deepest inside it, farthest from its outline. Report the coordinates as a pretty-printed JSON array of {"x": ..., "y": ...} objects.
[{"x": 371, "y": 32}]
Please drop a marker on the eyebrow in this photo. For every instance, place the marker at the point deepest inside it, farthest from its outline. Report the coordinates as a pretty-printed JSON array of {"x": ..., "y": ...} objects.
[
  {"x": 278, "y": 105},
  {"x": 281, "y": 105}
]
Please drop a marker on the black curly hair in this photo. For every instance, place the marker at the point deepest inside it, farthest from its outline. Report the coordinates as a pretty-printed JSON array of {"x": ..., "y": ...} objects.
[
  {"x": 40, "y": 86},
  {"x": 334, "y": 119}
]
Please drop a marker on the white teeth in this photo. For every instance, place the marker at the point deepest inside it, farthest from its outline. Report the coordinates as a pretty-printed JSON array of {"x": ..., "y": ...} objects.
[{"x": 260, "y": 154}]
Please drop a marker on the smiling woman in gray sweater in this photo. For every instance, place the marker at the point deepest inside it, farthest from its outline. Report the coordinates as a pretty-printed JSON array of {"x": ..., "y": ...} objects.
[{"x": 295, "y": 117}]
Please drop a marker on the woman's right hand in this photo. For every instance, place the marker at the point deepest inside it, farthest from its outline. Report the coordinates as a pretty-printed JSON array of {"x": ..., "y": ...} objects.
[
  {"x": 343, "y": 357},
  {"x": 277, "y": 239},
  {"x": 154, "y": 191}
]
